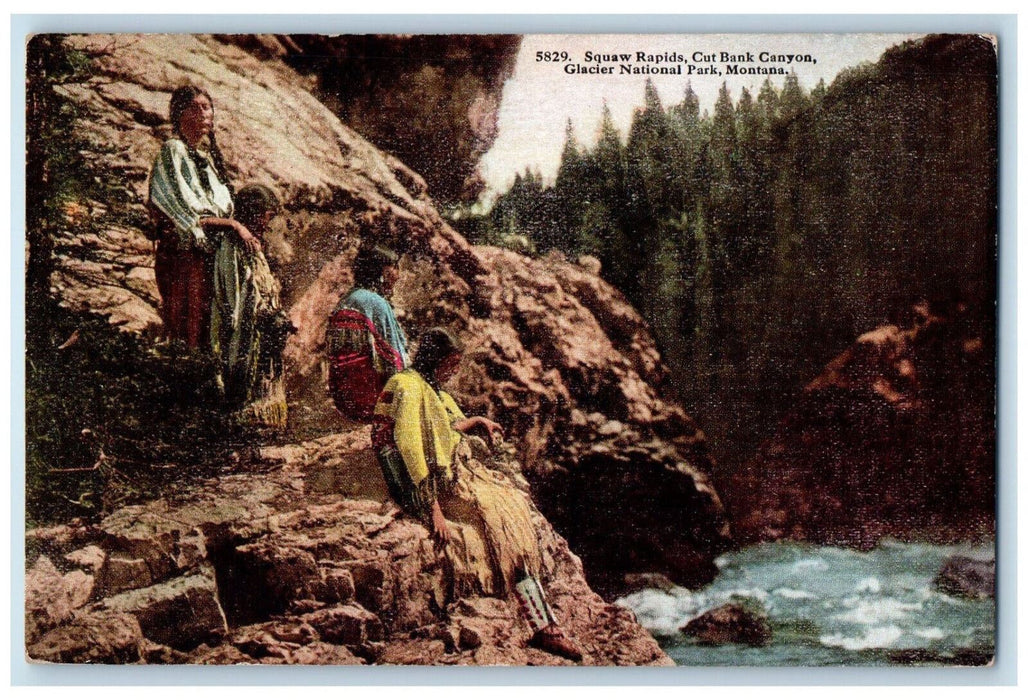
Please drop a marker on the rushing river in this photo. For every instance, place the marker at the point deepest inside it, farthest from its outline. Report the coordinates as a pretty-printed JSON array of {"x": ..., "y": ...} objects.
[{"x": 829, "y": 606}]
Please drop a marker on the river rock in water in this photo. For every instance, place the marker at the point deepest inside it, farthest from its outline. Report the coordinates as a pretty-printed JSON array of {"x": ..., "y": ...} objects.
[
  {"x": 730, "y": 624},
  {"x": 967, "y": 577},
  {"x": 960, "y": 657},
  {"x": 641, "y": 582}
]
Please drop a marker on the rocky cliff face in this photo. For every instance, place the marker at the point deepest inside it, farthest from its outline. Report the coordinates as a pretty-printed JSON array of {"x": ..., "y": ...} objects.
[
  {"x": 619, "y": 470},
  {"x": 895, "y": 438},
  {"x": 554, "y": 354},
  {"x": 430, "y": 100},
  {"x": 303, "y": 562}
]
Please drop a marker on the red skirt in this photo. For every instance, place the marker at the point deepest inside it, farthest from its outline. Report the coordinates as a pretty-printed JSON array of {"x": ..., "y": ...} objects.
[{"x": 184, "y": 281}]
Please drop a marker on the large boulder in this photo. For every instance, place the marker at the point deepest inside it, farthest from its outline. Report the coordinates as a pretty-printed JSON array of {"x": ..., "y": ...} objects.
[
  {"x": 346, "y": 624},
  {"x": 178, "y": 613},
  {"x": 433, "y": 104},
  {"x": 51, "y": 598},
  {"x": 321, "y": 578},
  {"x": 730, "y": 623},
  {"x": 896, "y": 437},
  {"x": 94, "y": 637}
]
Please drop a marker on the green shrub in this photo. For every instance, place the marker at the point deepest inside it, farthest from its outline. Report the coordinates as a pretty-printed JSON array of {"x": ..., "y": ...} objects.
[{"x": 113, "y": 417}]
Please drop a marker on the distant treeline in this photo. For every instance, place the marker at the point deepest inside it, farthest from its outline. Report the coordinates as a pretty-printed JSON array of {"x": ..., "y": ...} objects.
[{"x": 759, "y": 240}]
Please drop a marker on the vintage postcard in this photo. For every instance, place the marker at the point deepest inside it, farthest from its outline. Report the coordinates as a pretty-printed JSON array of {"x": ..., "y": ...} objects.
[{"x": 636, "y": 350}]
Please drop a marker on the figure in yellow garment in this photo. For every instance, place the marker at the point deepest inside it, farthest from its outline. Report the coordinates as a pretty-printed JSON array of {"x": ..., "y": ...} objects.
[
  {"x": 481, "y": 519},
  {"x": 415, "y": 422}
]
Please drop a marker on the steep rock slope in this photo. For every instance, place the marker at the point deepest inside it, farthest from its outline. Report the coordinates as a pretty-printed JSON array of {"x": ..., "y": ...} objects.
[
  {"x": 301, "y": 563},
  {"x": 555, "y": 354},
  {"x": 896, "y": 437}
]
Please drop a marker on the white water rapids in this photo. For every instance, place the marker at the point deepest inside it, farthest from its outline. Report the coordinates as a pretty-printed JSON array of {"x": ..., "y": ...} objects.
[{"x": 830, "y": 606}]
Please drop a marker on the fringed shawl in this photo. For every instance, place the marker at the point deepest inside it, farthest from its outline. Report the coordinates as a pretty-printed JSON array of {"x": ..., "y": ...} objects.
[{"x": 420, "y": 421}]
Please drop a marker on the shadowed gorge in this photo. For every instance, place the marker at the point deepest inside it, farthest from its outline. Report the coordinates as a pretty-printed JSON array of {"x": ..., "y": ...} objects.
[{"x": 761, "y": 239}]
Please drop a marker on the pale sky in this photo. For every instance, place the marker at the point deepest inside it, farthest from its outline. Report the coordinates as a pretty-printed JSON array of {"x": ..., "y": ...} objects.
[{"x": 540, "y": 97}]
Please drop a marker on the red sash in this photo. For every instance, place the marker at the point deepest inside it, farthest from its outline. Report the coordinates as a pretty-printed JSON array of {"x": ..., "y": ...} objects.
[{"x": 353, "y": 381}]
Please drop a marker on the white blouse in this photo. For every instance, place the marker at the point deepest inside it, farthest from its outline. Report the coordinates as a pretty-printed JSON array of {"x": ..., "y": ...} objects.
[{"x": 178, "y": 189}]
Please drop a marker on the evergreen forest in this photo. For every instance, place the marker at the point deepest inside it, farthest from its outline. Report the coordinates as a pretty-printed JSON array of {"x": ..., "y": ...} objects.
[{"x": 760, "y": 239}]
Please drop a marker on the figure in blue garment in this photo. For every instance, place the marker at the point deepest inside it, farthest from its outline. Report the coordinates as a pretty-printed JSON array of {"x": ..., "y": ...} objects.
[{"x": 365, "y": 343}]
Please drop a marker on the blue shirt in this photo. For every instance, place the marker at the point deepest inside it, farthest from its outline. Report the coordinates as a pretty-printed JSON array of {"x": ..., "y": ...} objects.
[{"x": 381, "y": 315}]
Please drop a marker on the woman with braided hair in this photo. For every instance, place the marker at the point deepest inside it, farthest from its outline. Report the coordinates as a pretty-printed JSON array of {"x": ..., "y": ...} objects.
[
  {"x": 191, "y": 206},
  {"x": 365, "y": 343},
  {"x": 248, "y": 326},
  {"x": 478, "y": 516}
]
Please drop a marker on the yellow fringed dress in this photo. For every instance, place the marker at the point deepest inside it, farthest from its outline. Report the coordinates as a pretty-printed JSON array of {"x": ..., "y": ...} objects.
[{"x": 494, "y": 543}]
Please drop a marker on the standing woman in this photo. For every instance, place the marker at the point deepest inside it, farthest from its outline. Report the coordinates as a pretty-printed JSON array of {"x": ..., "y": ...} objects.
[
  {"x": 248, "y": 327},
  {"x": 191, "y": 204}
]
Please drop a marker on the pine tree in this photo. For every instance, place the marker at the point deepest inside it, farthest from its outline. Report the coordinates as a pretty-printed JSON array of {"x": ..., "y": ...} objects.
[
  {"x": 793, "y": 100},
  {"x": 689, "y": 145},
  {"x": 605, "y": 222},
  {"x": 651, "y": 193},
  {"x": 818, "y": 93},
  {"x": 767, "y": 106},
  {"x": 569, "y": 193},
  {"x": 722, "y": 136},
  {"x": 724, "y": 201},
  {"x": 650, "y": 154},
  {"x": 609, "y": 158},
  {"x": 704, "y": 319}
]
